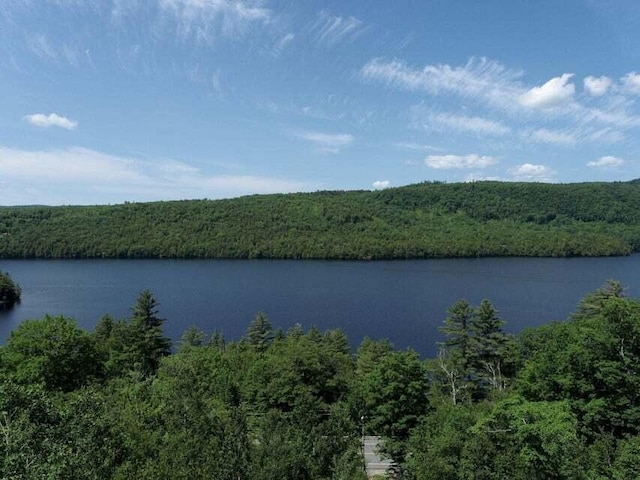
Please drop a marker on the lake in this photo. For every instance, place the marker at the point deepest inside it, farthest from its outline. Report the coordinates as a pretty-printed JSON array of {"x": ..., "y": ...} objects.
[{"x": 404, "y": 301}]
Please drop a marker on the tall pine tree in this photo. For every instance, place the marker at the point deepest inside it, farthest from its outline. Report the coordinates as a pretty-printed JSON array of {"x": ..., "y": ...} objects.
[
  {"x": 151, "y": 344},
  {"x": 455, "y": 352},
  {"x": 489, "y": 345}
]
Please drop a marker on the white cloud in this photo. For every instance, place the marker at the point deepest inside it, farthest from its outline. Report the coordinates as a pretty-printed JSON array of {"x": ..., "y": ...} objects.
[
  {"x": 328, "y": 142},
  {"x": 597, "y": 86},
  {"x": 459, "y": 161},
  {"x": 492, "y": 85},
  {"x": 330, "y": 30},
  {"x": 75, "y": 174},
  {"x": 381, "y": 184},
  {"x": 204, "y": 20},
  {"x": 608, "y": 161},
  {"x": 477, "y": 125},
  {"x": 555, "y": 92},
  {"x": 528, "y": 172},
  {"x": 51, "y": 120},
  {"x": 543, "y": 135},
  {"x": 480, "y": 79},
  {"x": 631, "y": 82}
]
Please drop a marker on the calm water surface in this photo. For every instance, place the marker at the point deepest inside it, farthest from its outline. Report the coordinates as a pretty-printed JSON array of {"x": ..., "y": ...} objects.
[{"x": 404, "y": 301}]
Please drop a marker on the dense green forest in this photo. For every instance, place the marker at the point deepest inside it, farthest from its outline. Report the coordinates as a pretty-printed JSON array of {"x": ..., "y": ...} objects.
[
  {"x": 557, "y": 402},
  {"x": 417, "y": 221}
]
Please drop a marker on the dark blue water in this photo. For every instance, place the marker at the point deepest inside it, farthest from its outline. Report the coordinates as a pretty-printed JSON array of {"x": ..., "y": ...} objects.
[{"x": 404, "y": 301}]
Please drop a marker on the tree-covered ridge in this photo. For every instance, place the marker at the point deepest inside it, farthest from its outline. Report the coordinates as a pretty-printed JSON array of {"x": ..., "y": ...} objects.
[
  {"x": 10, "y": 292},
  {"x": 556, "y": 402},
  {"x": 417, "y": 221}
]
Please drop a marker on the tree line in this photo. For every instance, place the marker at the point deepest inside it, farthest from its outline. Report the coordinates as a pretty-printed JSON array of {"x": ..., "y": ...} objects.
[
  {"x": 416, "y": 221},
  {"x": 559, "y": 401}
]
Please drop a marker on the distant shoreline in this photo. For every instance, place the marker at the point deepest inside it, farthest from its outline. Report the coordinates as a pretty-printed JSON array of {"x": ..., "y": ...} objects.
[{"x": 427, "y": 220}]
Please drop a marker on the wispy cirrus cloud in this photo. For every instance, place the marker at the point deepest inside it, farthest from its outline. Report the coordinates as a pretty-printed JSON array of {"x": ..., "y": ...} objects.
[
  {"x": 544, "y": 135},
  {"x": 462, "y": 123},
  {"x": 418, "y": 146},
  {"x": 573, "y": 136},
  {"x": 204, "y": 20},
  {"x": 330, "y": 30},
  {"x": 485, "y": 81},
  {"x": 327, "y": 142},
  {"x": 52, "y": 120},
  {"x": 39, "y": 45},
  {"x": 76, "y": 174},
  {"x": 443, "y": 162},
  {"x": 282, "y": 43},
  {"x": 479, "y": 79},
  {"x": 604, "y": 114}
]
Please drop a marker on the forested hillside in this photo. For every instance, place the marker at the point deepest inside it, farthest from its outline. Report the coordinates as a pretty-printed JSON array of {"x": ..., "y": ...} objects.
[
  {"x": 557, "y": 402},
  {"x": 416, "y": 221}
]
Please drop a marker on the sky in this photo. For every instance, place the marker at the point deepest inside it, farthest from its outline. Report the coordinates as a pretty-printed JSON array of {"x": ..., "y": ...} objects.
[{"x": 107, "y": 101}]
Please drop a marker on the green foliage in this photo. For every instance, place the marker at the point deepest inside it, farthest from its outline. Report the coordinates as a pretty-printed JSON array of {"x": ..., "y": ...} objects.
[
  {"x": 524, "y": 440},
  {"x": 417, "y": 221},
  {"x": 436, "y": 445},
  {"x": 476, "y": 355},
  {"x": 394, "y": 394},
  {"x": 137, "y": 345},
  {"x": 149, "y": 342},
  {"x": 493, "y": 352},
  {"x": 593, "y": 303},
  {"x": 192, "y": 337},
  {"x": 627, "y": 462},
  {"x": 52, "y": 352},
  {"x": 457, "y": 331},
  {"x": 594, "y": 362},
  {"x": 10, "y": 291},
  {"x": 260, "y": 333},
  {"x": 293, "y": 405},
  {"x": 49, "y": 436},
  {"x": 370, "y": 352}
]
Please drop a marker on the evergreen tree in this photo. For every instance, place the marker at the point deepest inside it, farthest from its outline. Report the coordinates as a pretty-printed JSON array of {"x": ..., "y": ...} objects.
[
  {"x": 456, "y": 328},
  {"x": 260, "y": 333},
  {"x": 370, "y": 353},
  {"x": 488, "y": 346},
  {"x": 217, "y": 341},
  {"x": 453, "y": 364},
  {"x": 592, "y": 303},
  {"x": 150, "y": 344},
  {"x": 193, "y": 337}
]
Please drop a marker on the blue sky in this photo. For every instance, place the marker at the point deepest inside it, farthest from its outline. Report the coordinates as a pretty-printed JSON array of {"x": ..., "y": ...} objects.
[{"x": 106, "y": 101}]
